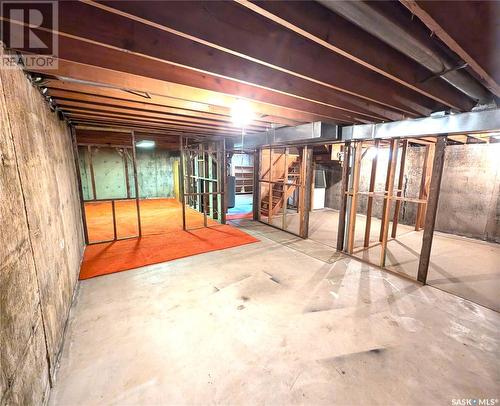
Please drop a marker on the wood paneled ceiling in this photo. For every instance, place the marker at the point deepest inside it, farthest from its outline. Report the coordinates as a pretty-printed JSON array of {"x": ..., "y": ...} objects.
[{"x": 169, "y": 67}]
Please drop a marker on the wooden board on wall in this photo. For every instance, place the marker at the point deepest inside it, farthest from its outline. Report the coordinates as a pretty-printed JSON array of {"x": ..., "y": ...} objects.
[
  {"x": 21, "y": 335},
  {"x": 47, "y": 173}
]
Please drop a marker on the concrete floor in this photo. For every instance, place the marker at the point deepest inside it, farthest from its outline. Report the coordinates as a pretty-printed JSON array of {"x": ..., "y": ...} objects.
[
  {"x": 282, "y": 321},
  {"x": 464, "y": 266}
]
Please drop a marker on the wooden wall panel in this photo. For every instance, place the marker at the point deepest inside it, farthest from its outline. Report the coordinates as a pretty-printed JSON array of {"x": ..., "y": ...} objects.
[{"x": 44, "y": 245}]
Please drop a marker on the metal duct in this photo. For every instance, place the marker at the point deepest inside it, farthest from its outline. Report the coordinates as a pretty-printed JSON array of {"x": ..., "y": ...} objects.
[{"x": 384, "y": 28}]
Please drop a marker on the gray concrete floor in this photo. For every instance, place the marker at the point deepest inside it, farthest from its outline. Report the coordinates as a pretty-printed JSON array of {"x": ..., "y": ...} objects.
[
  {"x": 281, "y": 321},
  {"x": 466, "y": 267}
]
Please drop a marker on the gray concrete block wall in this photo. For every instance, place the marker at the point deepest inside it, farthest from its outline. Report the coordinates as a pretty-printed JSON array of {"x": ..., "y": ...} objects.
[
  {"x": 41, "y": 243},
  {"x": 469, "y": 200},
  {"x": 155, "y": 169}
]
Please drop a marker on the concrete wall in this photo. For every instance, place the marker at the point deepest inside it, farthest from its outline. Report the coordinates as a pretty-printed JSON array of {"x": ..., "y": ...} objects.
[
  {"x": 154, "y": 167},
  {"x": 469, "y": 199},
  {"x": 41, "y": 242}
]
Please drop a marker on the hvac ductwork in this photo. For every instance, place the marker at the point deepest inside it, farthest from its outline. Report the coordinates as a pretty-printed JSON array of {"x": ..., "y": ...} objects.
[{"x": 386, "y": 29}]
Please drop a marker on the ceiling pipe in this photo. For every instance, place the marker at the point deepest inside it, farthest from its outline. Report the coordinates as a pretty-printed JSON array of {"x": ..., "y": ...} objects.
[{"x": 386, "y": 29}]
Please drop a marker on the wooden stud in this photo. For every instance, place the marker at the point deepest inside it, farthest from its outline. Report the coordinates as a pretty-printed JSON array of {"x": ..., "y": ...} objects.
[
  {"x": 306, "y": 178},
  {"x": 136, "y": 182},
  {"x": 285, "y": 190},
  {"x": 424, "y": 186},
  {"x": 343, "y": 196},
  {"x": 125, "y": 164},
  {"x": 256, "y": 188},
  {"x": 92, "y": 176},
  {"x": 432, "y": 206},
  {"x": 369, "y": 207},
  {"x": 393, "y": 154},
  {"x": 354, "y": 198},
  {"x": 399, "y": 192}
]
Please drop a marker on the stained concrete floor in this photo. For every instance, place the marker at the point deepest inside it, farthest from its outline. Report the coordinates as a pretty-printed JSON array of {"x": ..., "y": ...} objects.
[{"x": 282, "y": 321}]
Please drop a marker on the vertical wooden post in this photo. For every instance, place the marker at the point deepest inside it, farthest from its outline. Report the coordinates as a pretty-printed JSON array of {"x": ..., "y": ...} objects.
[
  {"x": 125, "y": 163},
  {"x": 79, "y": 181},
  {"x": 393, "y": 154},
  {"x": 371, "y": 189},
  {"x": 306, "y": 184},
  {"x": 285, "y": 190},
  {"x": 113, "y": 210},
  {"x": 343, "y": 196},
  {"x": 432, "y": 206},
  {"x": 354, "y": 198},
  {"x": 136, "y": 183},
  {"x": 182, "y": 182},
  {"x": 92, "y": 175},
  {"x": 399, "y": 192},
  {"x": 256, "y": 185},
  {"x": 424, "y": 186},
  {"x": 384, "y": 205}
]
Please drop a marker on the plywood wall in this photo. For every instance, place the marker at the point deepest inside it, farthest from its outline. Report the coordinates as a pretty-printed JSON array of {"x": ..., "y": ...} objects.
[{"x": 41, "y": 241}]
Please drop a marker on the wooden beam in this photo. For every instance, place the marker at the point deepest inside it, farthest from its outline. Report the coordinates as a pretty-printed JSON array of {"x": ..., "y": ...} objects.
[
  {"x": 430, "y": 218},
  {"x": 261, "y": 102},
  {"x": 343, "y": 196},
  {"x": 189, "y": 39},
  {"x": 399, "y": 192},
  {"x": 389, "y": 195},
  {"x": 333, "y": 32},
  {"x": 371, "y": 189}
]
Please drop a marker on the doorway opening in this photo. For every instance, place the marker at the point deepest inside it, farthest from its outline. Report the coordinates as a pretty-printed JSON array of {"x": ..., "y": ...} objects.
[{"x": 240, "y": 185}]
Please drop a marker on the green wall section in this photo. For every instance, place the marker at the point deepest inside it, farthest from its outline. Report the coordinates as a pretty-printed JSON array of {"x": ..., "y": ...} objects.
[{"x": 154, "y": 168}]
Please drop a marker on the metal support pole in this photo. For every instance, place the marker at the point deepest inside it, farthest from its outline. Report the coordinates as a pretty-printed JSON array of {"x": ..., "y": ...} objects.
[
  {"x": 181, "y": 184},
  {"x": 136, "y": 182},
  {"x": 113, "y": 210},
  {"x": 224, "y": 182},
  {"x": 343, "y": 197}
]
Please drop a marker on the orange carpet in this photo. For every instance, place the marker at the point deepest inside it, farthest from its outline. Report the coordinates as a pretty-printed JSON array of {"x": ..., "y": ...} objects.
[
  {"x": 158, "y": 216},
  {"x": 163, "y": 238}
]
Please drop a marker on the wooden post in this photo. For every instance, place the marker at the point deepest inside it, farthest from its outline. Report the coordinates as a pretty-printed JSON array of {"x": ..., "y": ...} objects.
[
  {"x": 181, "y": 183},
  {"x": 256, "y": 185},
  {"x": 432, "y": 206},
  {"x": 354, "y": 198},
  {"x": 343, "y": 197},
  {"x": 125, "y": 162},
  {"x": 285, "y": 190},
  {"x": 424, "y": 186},
  {"x": 393, "y": 154},
  {"x": 79, "y": 181},
  {"x": 399, "y": 192},
  {"x": 92, "y": 176},
  {"x": 306, "y": 183},
  {"x": 136, "y": 182},
  {"x": 371, "y": 189}
]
